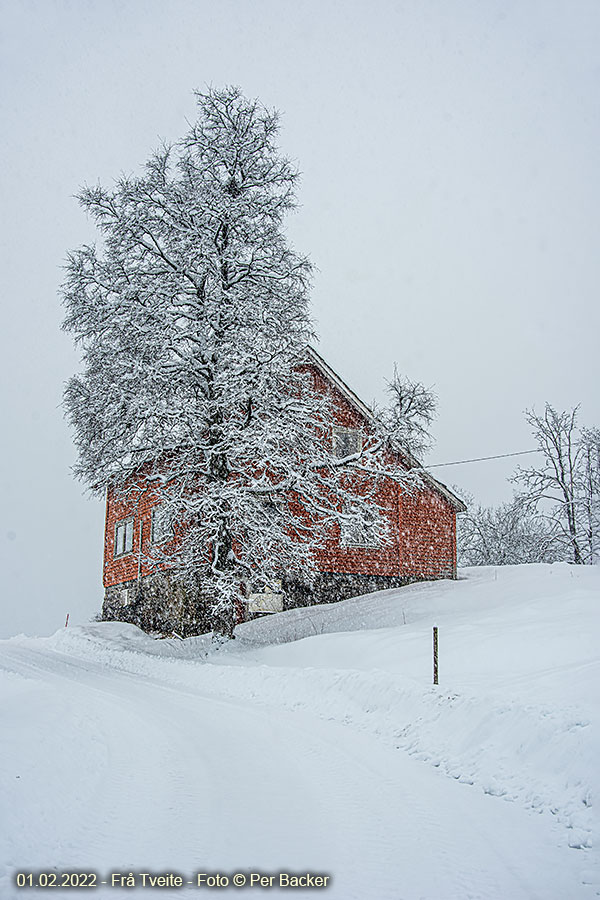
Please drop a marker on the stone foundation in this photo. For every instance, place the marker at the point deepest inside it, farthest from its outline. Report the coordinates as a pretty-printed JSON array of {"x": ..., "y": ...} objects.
[
  {"x": 330, "y": 587},
  {"x": 160, "y": 605},
  {"x": 157, "y": 604}
]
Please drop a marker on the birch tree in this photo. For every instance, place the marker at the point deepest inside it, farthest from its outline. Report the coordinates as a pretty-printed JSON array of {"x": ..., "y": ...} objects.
[
  {"x": 565, "y": 487},
  {"x": 192, "y": 314}
]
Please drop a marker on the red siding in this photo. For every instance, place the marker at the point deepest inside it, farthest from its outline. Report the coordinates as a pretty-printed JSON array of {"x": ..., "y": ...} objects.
[
  {"x": 422, "y": 526},
  {"x": 427, "y": 534},
  {"x": 335, "y": 557}
]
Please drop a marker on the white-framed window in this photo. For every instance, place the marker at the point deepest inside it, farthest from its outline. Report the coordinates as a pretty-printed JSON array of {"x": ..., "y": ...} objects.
[
  {"x": 123, "y": 537},
  {"x": 160, "y": 528},
  {"x": 358, "y": 530},
  {"x": 346, "y": 441}
]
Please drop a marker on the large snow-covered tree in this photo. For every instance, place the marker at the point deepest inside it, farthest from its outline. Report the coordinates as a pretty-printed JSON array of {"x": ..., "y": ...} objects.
[{"x": 192, "y": 315}]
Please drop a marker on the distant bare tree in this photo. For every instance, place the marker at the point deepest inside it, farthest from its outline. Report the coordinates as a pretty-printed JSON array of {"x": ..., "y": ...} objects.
[
  {"x": 504, "y": 535},
  {"x": 589, "y": 511},
  {"x": 564, "y": 488}
]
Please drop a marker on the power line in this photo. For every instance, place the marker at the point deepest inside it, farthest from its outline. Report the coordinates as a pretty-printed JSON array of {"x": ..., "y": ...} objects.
[{"x": 460, "y": 462}]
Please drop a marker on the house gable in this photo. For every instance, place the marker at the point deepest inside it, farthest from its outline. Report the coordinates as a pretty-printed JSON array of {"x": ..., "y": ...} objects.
[
  {"x": 366, "y": 414},
  {"x": 421, "y": 524}
]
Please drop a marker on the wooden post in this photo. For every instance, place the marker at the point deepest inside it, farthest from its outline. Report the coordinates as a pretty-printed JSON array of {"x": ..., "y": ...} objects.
[
  {"x": 435, "y": 655},
  {"x": 67, "y": 620}
]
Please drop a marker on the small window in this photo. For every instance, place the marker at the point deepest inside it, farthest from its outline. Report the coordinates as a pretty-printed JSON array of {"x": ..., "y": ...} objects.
[
  {"x": 358, "y": 531},
  {"x": 123, "y": 537},
  {"x": 346, "y": 441},
  {"x": 162, "y": 529}
]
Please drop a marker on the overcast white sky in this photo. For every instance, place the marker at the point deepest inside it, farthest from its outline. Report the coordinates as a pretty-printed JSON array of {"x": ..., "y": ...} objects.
[{"x": 450, "y": 200}]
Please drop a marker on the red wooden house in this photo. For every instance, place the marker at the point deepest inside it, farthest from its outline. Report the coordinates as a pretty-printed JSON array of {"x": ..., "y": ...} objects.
[{"x": 422, "y": 526}]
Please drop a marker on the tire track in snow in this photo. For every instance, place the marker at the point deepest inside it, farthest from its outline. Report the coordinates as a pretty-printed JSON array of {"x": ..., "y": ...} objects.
[{"x": 286, "y": 787}]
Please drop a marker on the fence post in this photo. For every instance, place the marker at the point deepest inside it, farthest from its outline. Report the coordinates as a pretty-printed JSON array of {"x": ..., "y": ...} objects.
[{"x": 435, "y": 655}]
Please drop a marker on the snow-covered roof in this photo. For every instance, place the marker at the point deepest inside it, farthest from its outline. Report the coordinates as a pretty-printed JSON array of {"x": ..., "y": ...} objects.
[{"x": 411, "y": 461}]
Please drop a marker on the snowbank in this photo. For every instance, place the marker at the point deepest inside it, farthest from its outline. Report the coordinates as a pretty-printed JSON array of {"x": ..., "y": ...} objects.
[{"x": 512, "y": 717}]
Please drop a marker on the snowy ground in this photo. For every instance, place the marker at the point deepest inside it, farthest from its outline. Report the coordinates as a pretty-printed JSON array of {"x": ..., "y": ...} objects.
[{"x": 316, "y": 743}]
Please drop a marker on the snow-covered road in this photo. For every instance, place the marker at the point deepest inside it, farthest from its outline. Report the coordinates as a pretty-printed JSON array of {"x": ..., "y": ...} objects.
[{"x": 115, "y": 760}]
